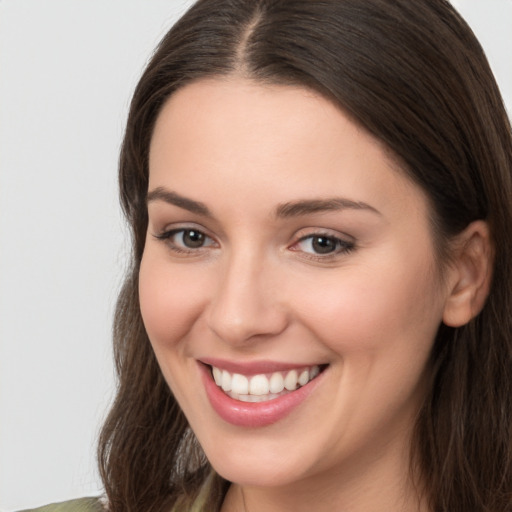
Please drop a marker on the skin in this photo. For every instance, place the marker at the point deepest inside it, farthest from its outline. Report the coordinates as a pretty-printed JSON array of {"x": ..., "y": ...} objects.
[{"x": 257, "y": 290}]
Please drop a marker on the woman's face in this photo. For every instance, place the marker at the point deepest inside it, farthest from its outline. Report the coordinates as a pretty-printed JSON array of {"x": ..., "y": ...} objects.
[{"x": 283, "y": 242}]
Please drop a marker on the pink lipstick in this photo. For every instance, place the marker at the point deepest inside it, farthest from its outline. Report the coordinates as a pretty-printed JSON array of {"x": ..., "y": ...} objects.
[{"x": 276, "y": 390}]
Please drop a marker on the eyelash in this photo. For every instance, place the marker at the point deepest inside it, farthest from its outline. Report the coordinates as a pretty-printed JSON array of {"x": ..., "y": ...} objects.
[
  {"x": 167, "y": 237},
  {"x": 340, "y": 245}
]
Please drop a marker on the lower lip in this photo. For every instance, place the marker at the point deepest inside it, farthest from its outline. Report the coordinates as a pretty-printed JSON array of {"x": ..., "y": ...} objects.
[{"x": 254, "y": 414}]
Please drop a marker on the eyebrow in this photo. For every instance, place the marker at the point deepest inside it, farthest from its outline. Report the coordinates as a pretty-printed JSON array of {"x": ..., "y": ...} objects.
[
  {"x": 309, "y": 206},
  {"x": 162, "y": 194},
  {"x": 285, "y": 210}
]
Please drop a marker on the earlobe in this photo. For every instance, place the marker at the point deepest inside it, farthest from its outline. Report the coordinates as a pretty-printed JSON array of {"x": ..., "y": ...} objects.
[{"x": 470, "y": 274}]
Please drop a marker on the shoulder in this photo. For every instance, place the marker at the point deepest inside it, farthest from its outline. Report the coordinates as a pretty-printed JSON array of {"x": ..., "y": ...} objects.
[{"x": 80, "y": 505}]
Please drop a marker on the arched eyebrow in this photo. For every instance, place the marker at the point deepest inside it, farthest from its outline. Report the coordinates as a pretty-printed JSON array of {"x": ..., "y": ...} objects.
[
  {"x": 162, "y": 194},
  {"x": 285, "y": 210},
  {"x": 310, "y": 206}
]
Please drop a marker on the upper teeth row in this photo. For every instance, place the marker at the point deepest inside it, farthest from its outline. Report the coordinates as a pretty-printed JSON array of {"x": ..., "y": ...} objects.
[{"x": 261, "y": 384}]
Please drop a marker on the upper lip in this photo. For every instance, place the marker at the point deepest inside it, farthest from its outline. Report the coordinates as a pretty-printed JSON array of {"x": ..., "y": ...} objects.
[{"x": 253, "y": 367}]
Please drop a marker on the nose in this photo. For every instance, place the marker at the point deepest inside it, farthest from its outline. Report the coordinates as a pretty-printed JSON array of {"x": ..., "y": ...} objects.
[{"x": 248, "y": 301}]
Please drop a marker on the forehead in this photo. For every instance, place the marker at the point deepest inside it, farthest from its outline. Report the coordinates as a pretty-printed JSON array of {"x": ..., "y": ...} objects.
[{"x": 271, "y": 139}]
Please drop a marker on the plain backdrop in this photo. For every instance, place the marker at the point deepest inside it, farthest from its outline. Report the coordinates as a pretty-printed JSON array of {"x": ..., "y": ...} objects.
[{"x": 67, "y": 71}]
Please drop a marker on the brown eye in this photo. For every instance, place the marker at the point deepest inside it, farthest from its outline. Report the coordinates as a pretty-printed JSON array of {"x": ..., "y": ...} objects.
[
  {"x": 323, "y": 244},
  {"x": 185, "y": 239},
  {"x": 192, "y": 238}
]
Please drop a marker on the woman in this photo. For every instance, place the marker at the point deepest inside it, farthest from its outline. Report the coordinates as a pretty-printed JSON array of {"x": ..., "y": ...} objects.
[{"x": 318, "y": 310}]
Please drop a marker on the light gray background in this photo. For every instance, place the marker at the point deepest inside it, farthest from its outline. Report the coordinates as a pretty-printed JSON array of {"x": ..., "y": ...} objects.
[{"x": 67, "y": 70}]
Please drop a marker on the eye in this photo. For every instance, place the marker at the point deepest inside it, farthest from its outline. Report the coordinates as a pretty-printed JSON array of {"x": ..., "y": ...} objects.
[
  {"x": 186, "y": 239},
  {"x": 190, "y": 238},
  {"x": 323, "y": 245}
]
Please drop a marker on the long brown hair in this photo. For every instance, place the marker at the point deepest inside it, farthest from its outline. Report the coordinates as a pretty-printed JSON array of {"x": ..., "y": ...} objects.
[{"x": 412, "y": 73}]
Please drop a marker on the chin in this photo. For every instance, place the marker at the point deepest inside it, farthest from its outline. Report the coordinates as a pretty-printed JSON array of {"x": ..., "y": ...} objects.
[
  {"x": 257, "y": 473},
  {"x": 263, "y": 461}
]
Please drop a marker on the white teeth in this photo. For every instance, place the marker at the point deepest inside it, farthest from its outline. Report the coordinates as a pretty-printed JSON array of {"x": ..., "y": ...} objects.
[
  {"x": 304, "y": 378},
  {"x": 217, "y": 376},
  {"x": 240, "y": 384},
  {"x": 261, "y": 387},
  {"x": 290, "y": 381},
  {"x": 276, "y": 383},
  {"x": 226, "y": 381}
]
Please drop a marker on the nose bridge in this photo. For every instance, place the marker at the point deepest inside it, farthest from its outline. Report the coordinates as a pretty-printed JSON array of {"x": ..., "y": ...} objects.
[{"x": 246, "y": 303}]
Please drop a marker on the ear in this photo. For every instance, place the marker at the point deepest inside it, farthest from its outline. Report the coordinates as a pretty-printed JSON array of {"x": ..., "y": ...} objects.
[{"x": 469, "y": 274}]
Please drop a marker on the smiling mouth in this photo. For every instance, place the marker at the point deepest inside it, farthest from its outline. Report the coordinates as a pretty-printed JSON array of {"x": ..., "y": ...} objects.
[{"x": 263, "y": 387}]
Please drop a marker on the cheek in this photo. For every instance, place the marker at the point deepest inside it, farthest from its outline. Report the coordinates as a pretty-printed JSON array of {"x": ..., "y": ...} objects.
[
  {"x": 375, "y": 310},
  {"x": 170, "y": 300}
]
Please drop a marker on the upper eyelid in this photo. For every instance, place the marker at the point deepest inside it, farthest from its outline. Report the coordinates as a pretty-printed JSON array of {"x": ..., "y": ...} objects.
[
  {"x": 343, "y": 239},
  {"x": 323, "y": 233},
  {"x": 343, "y": 249},
  {"x": 166, "y": 233},
  {"x": 301, "y": 234},
  {"x": 181, "y": 226},
  {"x": 340, "y": 239}
]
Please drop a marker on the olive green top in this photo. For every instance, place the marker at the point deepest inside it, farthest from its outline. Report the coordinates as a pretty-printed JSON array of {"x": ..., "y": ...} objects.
[
  {"x": 80, "y": 505},
  {"x": 95, "y": 505}
]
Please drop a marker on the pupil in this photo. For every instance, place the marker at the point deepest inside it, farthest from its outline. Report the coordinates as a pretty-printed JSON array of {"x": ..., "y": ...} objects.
[
  {"x": 323, "y": 245},
  {"x": 193, "y": 238}
]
